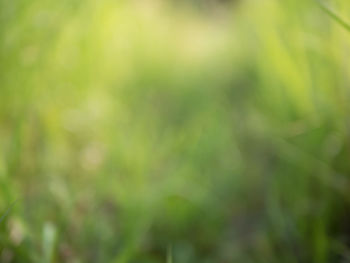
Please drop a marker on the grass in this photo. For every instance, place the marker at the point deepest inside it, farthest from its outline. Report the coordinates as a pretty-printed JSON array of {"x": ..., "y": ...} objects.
[
  {"x": 7, "y": 212},
  {"x": 163, "y": 131},
  {"x": 335, "y": 16}
]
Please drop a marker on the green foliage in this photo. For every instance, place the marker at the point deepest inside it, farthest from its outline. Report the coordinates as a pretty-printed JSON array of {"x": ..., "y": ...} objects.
[{"x": 157, "y": 131}]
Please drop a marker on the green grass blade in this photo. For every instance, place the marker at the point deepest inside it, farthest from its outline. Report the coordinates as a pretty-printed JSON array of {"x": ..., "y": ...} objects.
[
  {"x": 49, "y": 242},
  {"x": 334, "y": 15},
  {"x": 169, "y": 254},
  {"x": 7, "y": 211}
]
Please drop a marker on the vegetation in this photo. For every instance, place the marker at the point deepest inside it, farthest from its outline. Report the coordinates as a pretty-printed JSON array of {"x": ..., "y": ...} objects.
[{"x": 174, "y": 131}]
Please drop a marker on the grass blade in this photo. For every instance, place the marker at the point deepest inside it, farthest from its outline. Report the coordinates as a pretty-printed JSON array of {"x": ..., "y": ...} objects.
[
  {"x": 329, "y": 11},
  {"x": 169, "y": 254},
  {"x": 7, "y": 211}
]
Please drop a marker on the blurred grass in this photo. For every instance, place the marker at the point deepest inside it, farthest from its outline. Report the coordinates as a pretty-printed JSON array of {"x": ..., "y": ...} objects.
[{"x": 163, "y": 131}]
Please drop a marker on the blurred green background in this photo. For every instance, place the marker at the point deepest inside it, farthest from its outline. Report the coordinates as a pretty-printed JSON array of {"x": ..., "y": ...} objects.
[{"x": 174, "y": 131}]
